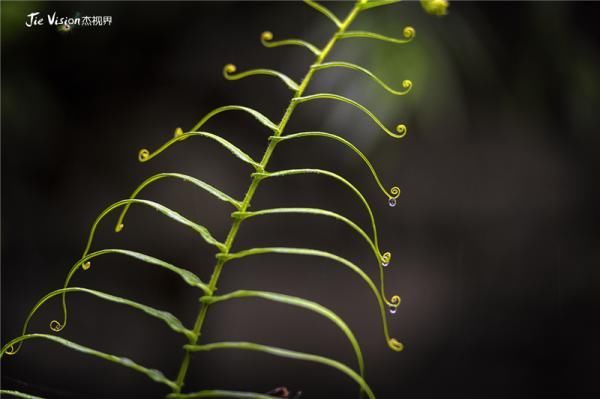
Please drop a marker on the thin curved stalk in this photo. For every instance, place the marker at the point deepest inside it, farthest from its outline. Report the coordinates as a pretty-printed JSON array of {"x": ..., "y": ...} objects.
[
  {"x": 377, "y": 3},
  {"x": 401, "y": 129},
  {"x": 314, "y": 211},
  {"x": 394, "y": 192},
  {"x": 267, "y": 37},
  {"x": 406, "y": 84},
  {"x": 203, "y": 231},
  {"x": 85, "y": 263},
  {"x": 18, "y": 394},
  {"x": 325, "y": 11},
  {"x": 380, "y": 296},
  {"x": 257, "y": 115},
  {"x": 408, "y": 33},
  {"x": 218, "y": 393},
  {"x": 291, "y": 172},
  {"x": 299, "y": 302},
  {"x": 197, "y": 182},
  {"x": 229, "y": 69},
  {"x": 153, "y": 374},
  {"x": 145, "y": 154},
  {"x": 287, "y": 354},
  {"x": 173, "y": 322}
]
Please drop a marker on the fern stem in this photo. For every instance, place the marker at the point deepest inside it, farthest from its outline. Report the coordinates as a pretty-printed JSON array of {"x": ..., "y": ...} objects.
[{"x": 179, "y": 382}]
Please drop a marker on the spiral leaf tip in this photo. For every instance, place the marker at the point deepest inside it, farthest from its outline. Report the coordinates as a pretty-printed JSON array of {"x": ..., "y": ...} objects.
[
  {"x": 409, "y": 32},
  {"x": 266, "y": 36},
  {"x": 396, "y": 301},
  {"x": 386, "y": 258},
  {"x": 407, "y": 84},
  {"x": 56, "y": 326},
  {"x": 86, "y": 265},
  {"x": 143, "y": 155},
  {"x": 401, "y": 129},
  {"x": 396, "y": 345},
  {"x": 11, "y": 350},
  {"x": 229, "y": 68}
]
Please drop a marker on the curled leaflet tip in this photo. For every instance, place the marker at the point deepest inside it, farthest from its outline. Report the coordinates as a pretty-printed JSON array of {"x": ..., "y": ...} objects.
[
  {"x": 395, "y": 301},
  {"x": 143, "y": 155},
  {"x": 401, "y": 129},
  {"x": 386, "y": 258},
  {"x": 266, "y": 36},
  {"x": 229, "y": 68},
  {"x": 56, "y": 326},
  {"x": 395, "y": 344}
]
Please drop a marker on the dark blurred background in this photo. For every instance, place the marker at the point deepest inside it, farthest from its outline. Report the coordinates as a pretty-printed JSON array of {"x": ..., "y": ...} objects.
[{"x": 495, "y": 238}]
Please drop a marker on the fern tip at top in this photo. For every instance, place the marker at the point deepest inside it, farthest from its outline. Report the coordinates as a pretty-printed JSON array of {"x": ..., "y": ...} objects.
[{"x": 435, "y": 7}]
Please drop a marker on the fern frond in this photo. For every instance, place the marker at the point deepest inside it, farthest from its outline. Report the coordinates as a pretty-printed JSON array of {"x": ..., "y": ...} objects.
[
  {"x": 394, "y": 192},
  {"x": 406, "y": 84},
  {"x": 186, "y": 275},
  {"x": 299, "y": 302},
  {"x": 211, "y": 393},
  {"x": 267, "y": 37},
  {"x": 18, "y": 394},
  {"x": 263, "y": 120},
  {"x": 292, "y": 172},
  {"x": 325, "y": 11},
  {"x": 203, "y": 231},
  {"x": 197, "y": 182},
  {"x": 153, "y": 374},
  {"x": 229, "y": 69},
  {"x": 314, "y": 211},
  {"x": 380, "y": 296},
  {"x": 288, "y": 354},
  {"x": 85, "y": 263},
  {"x": 408, "y": 33},
  {"x": 401, "y": 129},
  {"x": 145, "y": 155},
  {"x": 173, "y": 322}
]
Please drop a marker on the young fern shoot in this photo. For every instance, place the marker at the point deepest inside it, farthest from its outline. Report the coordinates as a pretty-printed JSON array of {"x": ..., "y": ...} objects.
[{"x": 225, "y": 248}]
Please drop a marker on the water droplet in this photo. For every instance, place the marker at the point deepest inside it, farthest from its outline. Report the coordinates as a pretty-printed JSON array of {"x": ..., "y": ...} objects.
[
  {"x": 385, "y": 264},
  {"x": 392, "y": 202},
  {"x": 393, "y": 309}
]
